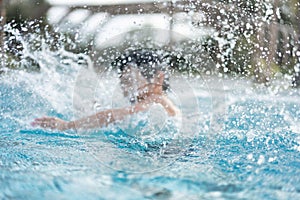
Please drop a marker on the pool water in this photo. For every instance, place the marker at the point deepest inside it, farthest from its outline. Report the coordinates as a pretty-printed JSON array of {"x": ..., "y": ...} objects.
[
  {"x": 255, "y": 156},
  {"x": 254, "y": 153}
]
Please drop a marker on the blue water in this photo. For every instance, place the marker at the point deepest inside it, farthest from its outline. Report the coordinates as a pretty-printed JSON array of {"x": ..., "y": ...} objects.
[{"x": 256, "y": 155}]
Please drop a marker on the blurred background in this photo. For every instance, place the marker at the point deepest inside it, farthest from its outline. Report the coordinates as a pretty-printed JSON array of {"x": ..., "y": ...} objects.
[{"x": 258, "y": 39}]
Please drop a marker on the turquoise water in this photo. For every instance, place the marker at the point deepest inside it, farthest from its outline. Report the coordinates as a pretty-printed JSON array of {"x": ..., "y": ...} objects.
[
  {"x": 255, "y": 156},
  {"x": 235, "y": 140}
]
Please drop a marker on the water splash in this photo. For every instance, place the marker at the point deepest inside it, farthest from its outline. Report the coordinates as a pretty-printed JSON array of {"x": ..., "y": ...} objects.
[{"x": 255, "y": 154}]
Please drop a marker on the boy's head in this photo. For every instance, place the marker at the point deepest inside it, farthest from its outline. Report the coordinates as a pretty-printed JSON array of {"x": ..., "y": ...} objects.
[{"x": 137, "y": 69}]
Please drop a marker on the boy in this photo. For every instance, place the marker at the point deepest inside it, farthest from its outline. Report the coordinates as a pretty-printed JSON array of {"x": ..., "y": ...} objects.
[{"x": 144, "y": 80}]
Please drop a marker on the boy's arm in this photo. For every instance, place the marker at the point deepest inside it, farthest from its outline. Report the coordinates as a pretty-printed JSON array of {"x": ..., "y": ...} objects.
[
  {"x": 106, "y": 117},
  {"x": 169, "y": 106},
  {"x": 100, "y": 119},
  {"x": 103, "y": 118}
]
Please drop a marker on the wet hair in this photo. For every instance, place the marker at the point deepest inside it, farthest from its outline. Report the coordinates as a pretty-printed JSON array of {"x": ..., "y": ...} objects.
[{"x": 148, "y": 61}]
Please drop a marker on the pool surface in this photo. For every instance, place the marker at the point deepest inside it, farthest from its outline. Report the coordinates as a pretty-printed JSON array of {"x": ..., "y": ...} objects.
[{"x": 250, "y": 150}]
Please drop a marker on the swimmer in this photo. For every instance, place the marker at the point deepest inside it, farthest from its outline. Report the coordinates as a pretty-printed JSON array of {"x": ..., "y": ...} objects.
[{"x": 144, "y": 79}]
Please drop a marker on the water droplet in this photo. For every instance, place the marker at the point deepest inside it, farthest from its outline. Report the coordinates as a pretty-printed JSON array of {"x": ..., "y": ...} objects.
[
  {"x": 24, "y": 29},
  {"x": 261, "y": 160}
]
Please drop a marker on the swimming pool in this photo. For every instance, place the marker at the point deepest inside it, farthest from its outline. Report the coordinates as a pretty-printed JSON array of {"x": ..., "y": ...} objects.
[
  {"x": 254, "y": 156},
  {"x": 235, "y": 139}
]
